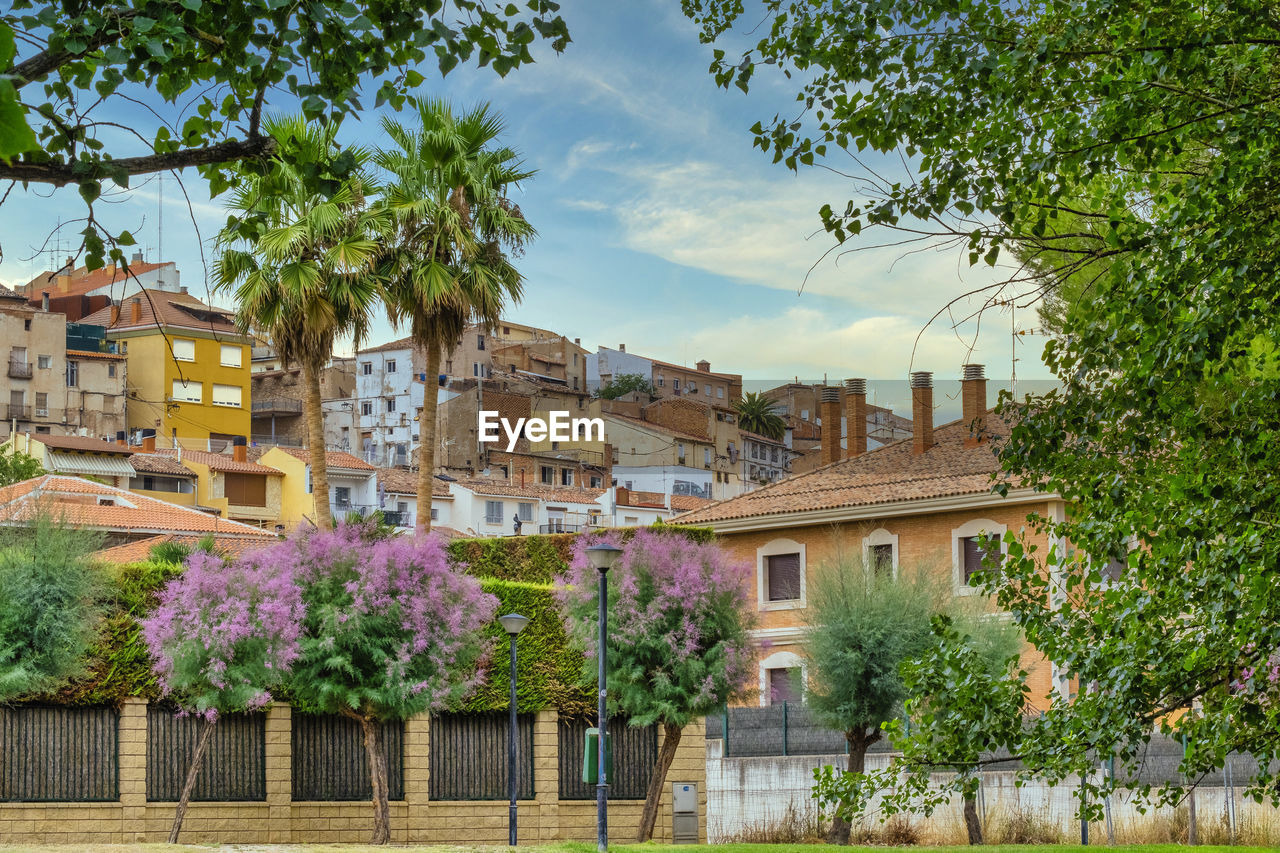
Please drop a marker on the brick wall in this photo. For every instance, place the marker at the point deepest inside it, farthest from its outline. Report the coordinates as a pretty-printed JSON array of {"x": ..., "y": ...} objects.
[{"x": 280, "y": 820}]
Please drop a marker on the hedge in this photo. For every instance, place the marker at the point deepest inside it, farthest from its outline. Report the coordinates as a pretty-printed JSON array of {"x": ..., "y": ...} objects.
[{"x": 520, "y": 571}]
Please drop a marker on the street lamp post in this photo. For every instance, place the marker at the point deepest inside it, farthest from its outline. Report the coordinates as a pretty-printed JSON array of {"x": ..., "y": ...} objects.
[
  {"x": 602, "y": 558},
  {"x": 513, "y": 624}
]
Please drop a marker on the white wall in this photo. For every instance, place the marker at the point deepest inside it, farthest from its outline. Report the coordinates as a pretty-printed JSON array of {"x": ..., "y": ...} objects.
[
  {"x": 662, "y": 478},
  {"x": 613, "y": 362},
  {"x": 388, "y": 428}
]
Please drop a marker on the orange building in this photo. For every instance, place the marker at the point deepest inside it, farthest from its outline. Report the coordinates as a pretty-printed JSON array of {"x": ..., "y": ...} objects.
[{"x": 926, "y": 502}]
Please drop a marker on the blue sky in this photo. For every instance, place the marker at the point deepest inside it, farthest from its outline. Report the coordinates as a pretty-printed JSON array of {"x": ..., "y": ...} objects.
[{"x": 660, "y": 226}]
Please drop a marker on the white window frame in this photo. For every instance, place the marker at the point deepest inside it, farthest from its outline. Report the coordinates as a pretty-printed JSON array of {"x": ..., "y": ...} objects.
[
  {"x": 366, "y": 408},
  {"x": 879, "y": 536},
  {"x": 180, "y": 352},
  {"x": 214, "y": 396},
  {"x": 773, "y": 548},
  {"x": 524, "y": 509},
  {"x": 502, "y": 508},
  {"x": 390, "y": 366},
  {"x": 236, "y": 361},
  {"x": 782, "y": 660},
  {"x": 974, "y": 527},
  {"x": 186, "y": 386}
]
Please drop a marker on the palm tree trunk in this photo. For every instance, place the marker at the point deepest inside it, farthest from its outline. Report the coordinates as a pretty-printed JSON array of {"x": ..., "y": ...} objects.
[
  {"x": 658, "y": 780},
  {"x": 315, "y": 444},
  {"x": 427, "y": 438},
  {"x": 858, "y": 741},
  {"x": 193, "y": 773}
]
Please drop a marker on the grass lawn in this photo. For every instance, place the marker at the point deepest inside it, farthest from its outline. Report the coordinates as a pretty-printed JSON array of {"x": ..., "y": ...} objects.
[{"x": 573, "y": 847}]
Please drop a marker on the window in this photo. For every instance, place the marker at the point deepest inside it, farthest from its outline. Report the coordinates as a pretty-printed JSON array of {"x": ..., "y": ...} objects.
[
  {"x": 366, "y": 407},
  {"x": 228, "y": 395},
  {"x": 680, "y": 452},
  {"x": 630, "y": 520},
  {"x": 980, "y": 552},
  {"x": 547, "y": 475},
  {"x": 183, "y": 392},
  {"x": 245, "y": 489},
  {"x": 26, "y": 325},
  {"x": 575, "y": 364},
  {"x": 42, "y": 404},
  {"x": 596, "y": 484},
  {"x": 402, "y": 507},
  {"x": 719, "y": 396},
  {"x": 706, "y": 389},
  {"x": 184, "y": 350},
  {"x": 773, "y": 457},
  {"x": 506, "y": 330},
  {"x": 477, "y": 369},
  {"x": 231, "y": 355},
  {"x": 780, "y": 570},
  {"x": 783, "y": 582},
  {"x": 480, "y": 342},
  {"x": 783, "y": 684},
  {"x": 782, "y": 678},
  {"x": 391, "y": 365},
  {"x": 525, "y": 511},
  {"x": 706, "y": 460},
  {"x": 566, "y": 477},
  {"x": 804, "y": 414},
  {"x": 73, "y": 374},
  {"x": 661, "y": 382},
  {"x": 391, "y": 404},
  {"x": 342, "y": 495},
  {"x": 435, "y": 516},
  {"x": 493, "y": 512},
  {"x": 882, "y": 559},
  {"x": 44, "y": 362},
  {"x": 111, "y": 374},
  {"x": 448, "y": 368}
]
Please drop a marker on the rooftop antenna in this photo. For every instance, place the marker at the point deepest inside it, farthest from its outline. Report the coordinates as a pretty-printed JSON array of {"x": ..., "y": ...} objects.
[{"x": 160, "y": 229}]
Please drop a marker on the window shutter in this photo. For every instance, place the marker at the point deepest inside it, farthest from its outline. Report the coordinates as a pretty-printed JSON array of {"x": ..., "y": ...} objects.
[
  {"x": 184, "y": 350},
  {"x": 227, "y": 395},
  {"x": 882, "y": 559},
  {"x": 784, "y": 577}
]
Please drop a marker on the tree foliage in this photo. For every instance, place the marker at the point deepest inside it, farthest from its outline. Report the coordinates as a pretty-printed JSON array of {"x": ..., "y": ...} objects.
[
  {"x": 205, "y": 72},
  {"x": 677, "y": 634},
  {"x": 758, "y": 413},
  {"x": 16, "y": 466},
  {"x": 1138, "y": 140},
  {"x": 626, "y": 383},
  {"x": 49, "y": 605}
]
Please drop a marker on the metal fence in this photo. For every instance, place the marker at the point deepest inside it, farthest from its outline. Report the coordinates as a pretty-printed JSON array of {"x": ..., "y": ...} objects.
[
  {"x": 234, "y": 765},
  {"x": 635, "y": 751},
  {"x": 330, "y": 761},
  {"x": 787, "y": 728},
  {"x": 56, "y": 754},
  {"x": 468, "y": 757}
]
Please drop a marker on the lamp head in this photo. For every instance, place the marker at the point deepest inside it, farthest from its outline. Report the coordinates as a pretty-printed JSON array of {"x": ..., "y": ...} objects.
[
  {"x": 513, "y": 623},
  {"x": 603, "y": 556}
]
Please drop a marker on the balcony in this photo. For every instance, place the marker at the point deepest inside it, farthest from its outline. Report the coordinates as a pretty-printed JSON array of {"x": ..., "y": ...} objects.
[
  {"x": 14, "y": 411},
  {"x": 277, "y": 407},
  {"x": 19, "y": 369},
  {"x": 559, "y": 528}
]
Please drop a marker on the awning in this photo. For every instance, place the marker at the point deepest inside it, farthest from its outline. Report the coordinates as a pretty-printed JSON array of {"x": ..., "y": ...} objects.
[{"x": 86, "y": 463}]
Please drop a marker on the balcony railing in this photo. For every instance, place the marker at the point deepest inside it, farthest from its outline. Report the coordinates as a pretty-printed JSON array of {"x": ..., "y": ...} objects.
[
  {"x": 22, "y": 413},
  {"x": 277, "y": 407},
  {"x": 19, "y": 369},
  {"x": 559, "y": 528}
]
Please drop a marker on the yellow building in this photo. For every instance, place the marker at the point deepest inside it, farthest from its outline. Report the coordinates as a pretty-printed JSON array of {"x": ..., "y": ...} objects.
[
  {"x": 353, "y": 484},
  {"x": 238, "y": 489},
  {"x": 188, "y": 369}
]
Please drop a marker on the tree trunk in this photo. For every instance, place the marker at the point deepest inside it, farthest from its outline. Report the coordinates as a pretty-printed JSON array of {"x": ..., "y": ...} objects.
[
  {"x": 658, "y": 780},
  {"x": 193, "y": 773},
  {"x": 858, "y": 741},
  {"x": 315, "y": 445},
  {"x": 427, "y": 439},
  {"x": 972, "y": 824},
  {"x": 378, "y": 778}
]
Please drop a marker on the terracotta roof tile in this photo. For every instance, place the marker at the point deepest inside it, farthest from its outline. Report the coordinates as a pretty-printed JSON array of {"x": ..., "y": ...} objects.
[
  {"x": 400, "y": 343},
  {"x": 6, "y": 293},
  {"x": 101, "y": 356},
  {"x": 157, "y": 307},
  {"x": 223, "y": 462},
  {"x": 159, "y": 463},
  {"x": 500, "y": 488},
  {"x": 684, "y": 503},
  {"x": 83, "y": 280},
  {"x": 79, "y": 502},
  {"x": 657, "y": 427},
  {"x": 139, "y": 550},
  {"x": 332, "y": 458},
  {"x": 82, "y": 443},
  {"x": 398, "y": 481},
  {"x": 891, "y": 474}
]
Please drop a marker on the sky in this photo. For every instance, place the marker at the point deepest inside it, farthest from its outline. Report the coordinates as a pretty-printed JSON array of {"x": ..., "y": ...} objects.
[{"x": 660, "y": 227}]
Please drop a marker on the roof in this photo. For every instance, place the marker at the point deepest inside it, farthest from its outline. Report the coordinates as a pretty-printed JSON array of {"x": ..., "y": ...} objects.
[
  {"x": 332, "y": 458},
  {"x": 684, "y": 503},
  {"x": 80, "y": 503},
  {"x": 6, "y": 293},
  {"x": 159, "y": 463},
  {"x": 694, "y": 369},
  {"x": 92, "y": 464},
  {"x": 101, "y": 356},
  {"x": 400, "y": 343},
  {"x": 503, "y": 489},
  {"x": 398, "y": 481},
  {"x": 892, "y": 474},
  {"x": 84, "y": 281},
  {"x": 658, "y": 427},
  {"x": 225, "y": 463},
  {"x": 160, "y": 307},
  {"x": 760, "y": 437},
  {"x": 83, "y": 444},
  {"x": 139, "y": 550}
]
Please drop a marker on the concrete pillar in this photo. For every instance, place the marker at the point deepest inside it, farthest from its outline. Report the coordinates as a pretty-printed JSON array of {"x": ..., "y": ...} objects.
[
  {"x": 546, "y": 776},
  {"x": 133, "y": 770},
  {"x": 417, "y": 773},
  {"x": 279, "y": 767}
]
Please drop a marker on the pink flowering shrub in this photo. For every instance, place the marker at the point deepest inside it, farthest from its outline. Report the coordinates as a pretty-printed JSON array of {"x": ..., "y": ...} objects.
[
  {"x": 390, "y": 630},
  {"x": 678, "y": 625},
  {"x": 224, "y": 635}
]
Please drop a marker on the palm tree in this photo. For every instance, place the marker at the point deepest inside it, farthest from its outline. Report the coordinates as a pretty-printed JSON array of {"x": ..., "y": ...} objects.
[
  {"x": 301, "y": 262},
  {"x": 757, "y": 413},
  {"x": 448, "y": 262}
]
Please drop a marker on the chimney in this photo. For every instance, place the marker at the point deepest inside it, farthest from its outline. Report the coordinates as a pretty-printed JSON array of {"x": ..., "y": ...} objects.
[
  {"x": 855, "y": 417},
  {"x": 973, "y": 398},
  {"x": 135, "y": 309},
  {"x": 829, "y": 411},
  {"x": 577, "y": 341},
  {"x": 922, "y": 410},
  {"x": 136, "y": 259},
  {"x": 622, "y": 347},
  {"x": 622, "y": 496},
  {"x": 148, "y": 441},
  {"x": 704, "y": 366},
  {"x": 115, "y": 315},
  {"x": 44, "y": 300},
  {"x": 120, "y": 438},
  {"x": 239, "y": 449}
]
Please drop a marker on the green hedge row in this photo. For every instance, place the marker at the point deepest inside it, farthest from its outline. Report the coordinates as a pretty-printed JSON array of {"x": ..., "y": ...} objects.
[{"x": 518, "y": 570}]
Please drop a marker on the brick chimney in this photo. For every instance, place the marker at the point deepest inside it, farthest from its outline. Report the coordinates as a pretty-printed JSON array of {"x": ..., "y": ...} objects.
[
  {"x": 135, "y": 310},
  {"x": 922, "y": 410},
  {"x": 973, "y": 399},
  {"x": 239, "y": 449},
  {"x": 622, "y": 347},
  {"x": 704, "y": 366},
  {"x": 855, "y": 417},
  {"x": 148, "y": 441},
  {"x": 115, "y": 315},
  {"x": 120, "y": 439},
  {"x": 622, "y": 496},
  {"x": 829, "y": 411}
]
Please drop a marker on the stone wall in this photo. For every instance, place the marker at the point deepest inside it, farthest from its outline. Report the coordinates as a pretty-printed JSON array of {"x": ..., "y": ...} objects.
[{"x": 279, "y": 819}]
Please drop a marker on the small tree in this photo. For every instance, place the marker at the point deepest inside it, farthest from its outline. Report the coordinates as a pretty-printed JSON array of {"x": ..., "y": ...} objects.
[
  {"x": 678, "y": 644},
  {"x": 391, "y": 630},
  {"x": 863, "y": 624},
  {"x": 16, "y": 466},
  {"x": 48, "y": 605},
  {"x": 222, "y": 636},
  {"x": 625, "y": 383}
]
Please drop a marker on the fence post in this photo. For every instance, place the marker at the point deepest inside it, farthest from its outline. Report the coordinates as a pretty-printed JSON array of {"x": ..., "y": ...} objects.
[
  {"x": 1191, "y": 803},
  {"x": 417, "y": 777},
  {"x": 784, "y": 729},
  {"x": 133, "y": 770},
  {"x": 546, "y": 774},
  {"x": 1231, "y": 800},
  {"x": 278, "y": 763},
  {"x": 1111, "y": 786}
]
